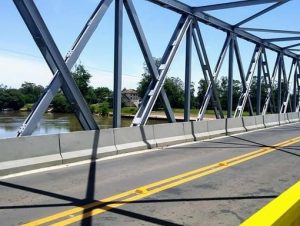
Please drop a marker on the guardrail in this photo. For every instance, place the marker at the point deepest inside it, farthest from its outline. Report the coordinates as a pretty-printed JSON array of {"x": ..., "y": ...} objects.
[{"x": 26, "y": 153}]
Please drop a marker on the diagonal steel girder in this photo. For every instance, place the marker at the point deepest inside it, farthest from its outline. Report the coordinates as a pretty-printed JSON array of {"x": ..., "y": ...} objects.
[
  {"x": 287, "y": 95},
  {"x": 205, "y": 18},
  {"x": 156, "y": 85},
  {"x": 58, "y": 81},
  {"x": 235, "y": 4},
  {"x": 270, "y": 90},
  {"x": 206, "y": 69},
  {"x": 249, "y": 79},
  {"x": 209, "y": 92},
  {"x": 241, "y": 70},
  {"x": 138, "y": 30},
  {"x": 262, "y": 12}
]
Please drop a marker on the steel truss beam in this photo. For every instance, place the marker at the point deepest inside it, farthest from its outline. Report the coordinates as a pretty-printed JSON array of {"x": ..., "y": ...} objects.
[
  {"x": 211, "y": 90},
  {"x": 264, "y": 11},
  {"x": 270, "y": 96},
  {"x": 155, "y": 86},
  {"x": 153, "y": 70},
  {"x": 219, "y": 24},
  {"x": 270, "y": 30},
  {"x": 232, "y": 5},
  {"x": 297, "y": 88},
  {"x": 256, "y": 58},
  {"x": 187, "y": 25},
  {"x": 60, "y": 68},
  {"x": 208, "y": 75},
  {"x": 287, "y": 94}
]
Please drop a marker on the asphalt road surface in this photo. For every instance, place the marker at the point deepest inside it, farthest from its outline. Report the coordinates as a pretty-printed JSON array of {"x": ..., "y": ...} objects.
[{"x": 221, "y": 194}]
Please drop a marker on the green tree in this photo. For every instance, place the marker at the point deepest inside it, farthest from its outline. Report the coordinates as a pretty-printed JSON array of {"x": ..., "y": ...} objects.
[
  {"x": 11, "y": 98},
  {"x": 104, "y": 94},
  {"x": 82, "y": 78},
  {"x": 31, "y": 91},
  {"x": 60, "y": 104},
  {"x": 174, "y": 88}
]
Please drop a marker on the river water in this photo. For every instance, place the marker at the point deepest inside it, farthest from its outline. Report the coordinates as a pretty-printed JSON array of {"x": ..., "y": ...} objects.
[{"x": 53, "y": 123}]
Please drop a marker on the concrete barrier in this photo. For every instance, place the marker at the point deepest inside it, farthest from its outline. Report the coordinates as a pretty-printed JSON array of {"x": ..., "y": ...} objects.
[
  {"x": 134, "y": 138},
  {"x": 83, "y": 145},
  {"x": 200, "y": 130},
  {"x": 259, "y": 121},
  {"x": 271, "y": 120},
  {"x": 27, "y": 153},
  {"x": 189, "y": 131},
  {"x": 169, "y": 134},
  {"x": 249, "y": 123},
  {"x": 234, "y": 125},
  {"x": 293, "y": 117},
  {"x": 216, "y": 127},
  {"x": 283, "y": 119}
]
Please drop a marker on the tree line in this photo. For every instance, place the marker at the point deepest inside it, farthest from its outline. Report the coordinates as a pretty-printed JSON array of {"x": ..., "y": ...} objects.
[{"x": 100, "y": 99}]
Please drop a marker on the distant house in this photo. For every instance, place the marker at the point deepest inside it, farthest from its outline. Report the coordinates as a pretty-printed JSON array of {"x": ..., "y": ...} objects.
[{"x": 130, "y": 98}]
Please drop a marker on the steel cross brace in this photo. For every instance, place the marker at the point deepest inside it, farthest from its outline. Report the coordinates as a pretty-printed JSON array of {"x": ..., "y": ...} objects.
[
  {"x": 249, "y": 79},
  {"x": 287, "y": 94},
  {"x": 63, "y": 80},
  {"x": 209, "y": 92},
  {"x": 156, "y": 85},
  {"x": 270, "y": 89},
  {"x": 206, "y": 69},
  {"x": 242, "y": 72},
  {"x": 136, "y": 25},
  {"x": 267, "y": 79},
  {"x": 296, "y": 94}
]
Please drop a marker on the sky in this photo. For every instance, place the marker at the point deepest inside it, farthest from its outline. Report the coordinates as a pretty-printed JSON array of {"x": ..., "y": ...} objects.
[{"x": 20, "y": 59}]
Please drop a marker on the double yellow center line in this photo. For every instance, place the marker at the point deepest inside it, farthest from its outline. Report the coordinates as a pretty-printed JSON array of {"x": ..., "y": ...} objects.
[{"x": 79, "y": 213}]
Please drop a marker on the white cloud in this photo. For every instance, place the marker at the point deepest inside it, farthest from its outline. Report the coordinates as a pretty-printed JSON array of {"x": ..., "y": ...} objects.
[{"x": 14, "y": 70}]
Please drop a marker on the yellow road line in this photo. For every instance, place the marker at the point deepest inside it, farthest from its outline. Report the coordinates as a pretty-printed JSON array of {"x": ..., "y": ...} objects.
[{"x": 118, "y": 200}]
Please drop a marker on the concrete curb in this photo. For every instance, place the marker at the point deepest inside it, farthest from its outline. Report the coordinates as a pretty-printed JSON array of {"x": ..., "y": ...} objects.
[
  {"x": 216, "y": 128},
  {"x": 28, "y": 153},
  {"x": 249, "y": 123},
  {"x": 234, "y": 125},
  {"x": 169, "y": 134},
  {"x": 200, "y": 129}
]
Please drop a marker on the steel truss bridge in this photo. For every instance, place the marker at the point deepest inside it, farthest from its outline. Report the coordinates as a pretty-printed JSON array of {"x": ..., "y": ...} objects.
[{"x": 188, "y": 26}]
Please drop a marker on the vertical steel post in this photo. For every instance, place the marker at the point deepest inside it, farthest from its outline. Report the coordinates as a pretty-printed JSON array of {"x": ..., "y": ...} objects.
[
  {"x": 294, "y": 101},
  {"x": 230, "y": 79},
  {"x": 188, "y": 65},
  {"x": 258, "y": 86},
  {"x": 118, "y": 63},
  {"x": 279, "y": 84}
]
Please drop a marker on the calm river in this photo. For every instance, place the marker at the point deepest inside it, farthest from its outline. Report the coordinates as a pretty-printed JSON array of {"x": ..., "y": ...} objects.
[{"x": 53, "y": 123}]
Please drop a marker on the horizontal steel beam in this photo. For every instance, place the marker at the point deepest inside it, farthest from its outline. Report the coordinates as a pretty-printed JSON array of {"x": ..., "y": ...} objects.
[
  {"x": 233, "y": 5},
  {"x": 291, "y": 46},
  {"x": 270, "y": 30},
  {"x": 282, "y": 39},
  {"x": 182, "y": 8}
]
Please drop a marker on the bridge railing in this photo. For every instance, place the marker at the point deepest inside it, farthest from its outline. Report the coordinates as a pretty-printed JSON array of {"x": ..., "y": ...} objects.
[{"x": 26, "y": 153}]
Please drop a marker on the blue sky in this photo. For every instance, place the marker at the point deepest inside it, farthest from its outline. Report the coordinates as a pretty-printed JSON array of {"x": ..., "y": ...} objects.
[{"x": 20, "y": 59}]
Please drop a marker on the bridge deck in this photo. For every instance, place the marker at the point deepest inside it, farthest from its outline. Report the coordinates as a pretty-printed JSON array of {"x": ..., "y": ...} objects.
[{"x": 225, "y": 197}]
